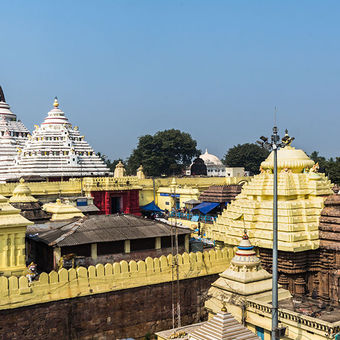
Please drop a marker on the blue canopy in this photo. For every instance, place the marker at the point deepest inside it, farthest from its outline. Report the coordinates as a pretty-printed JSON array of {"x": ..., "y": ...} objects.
[
  {"x": 151, "y": 207},
  {"x": 205, "y": 207}
]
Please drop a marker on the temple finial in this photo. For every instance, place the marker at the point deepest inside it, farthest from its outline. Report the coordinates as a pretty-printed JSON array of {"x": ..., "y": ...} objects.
[
  {"x": 2, "y": 96},
  {"x": 56, "y": 104}
]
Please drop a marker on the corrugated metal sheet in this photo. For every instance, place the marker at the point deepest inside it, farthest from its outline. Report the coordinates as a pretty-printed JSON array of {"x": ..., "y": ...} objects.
[{"x": 103, "y": 228}]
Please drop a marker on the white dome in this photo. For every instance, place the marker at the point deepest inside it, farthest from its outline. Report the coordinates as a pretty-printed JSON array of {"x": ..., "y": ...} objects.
[{"x": 210, "y": 159}]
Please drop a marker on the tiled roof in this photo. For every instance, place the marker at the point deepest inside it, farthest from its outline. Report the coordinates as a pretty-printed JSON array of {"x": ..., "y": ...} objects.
[{"x": 102, "y": 228}]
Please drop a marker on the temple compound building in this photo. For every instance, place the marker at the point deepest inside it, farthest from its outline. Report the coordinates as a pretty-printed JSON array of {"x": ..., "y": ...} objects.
[
  {"x": 13, "y": 135},
  {"x": 57, "y": 150},
  {"x": 301, "y": 195},
  {"x": 211, "y": 166}
]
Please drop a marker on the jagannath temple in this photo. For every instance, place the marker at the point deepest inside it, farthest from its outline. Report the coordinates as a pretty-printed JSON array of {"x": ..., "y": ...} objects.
[
  {"x": 13, "y": 135},
  {"x": 57, "y": 150}
]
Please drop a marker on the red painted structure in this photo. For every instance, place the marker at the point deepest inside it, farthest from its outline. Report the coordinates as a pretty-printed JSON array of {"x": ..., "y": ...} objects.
[{"x": 127, "y": 200}]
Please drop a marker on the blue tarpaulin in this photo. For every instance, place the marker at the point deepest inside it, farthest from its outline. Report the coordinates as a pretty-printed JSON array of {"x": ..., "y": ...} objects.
[
  {"x": 151, "y": 207},
  {"x": 205, "y": 207}
]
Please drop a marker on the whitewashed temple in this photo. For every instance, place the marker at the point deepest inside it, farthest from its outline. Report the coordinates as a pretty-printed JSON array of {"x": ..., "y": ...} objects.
[
  {"x": 57, "y": 150},
  {"x": 13, "y": 135}
]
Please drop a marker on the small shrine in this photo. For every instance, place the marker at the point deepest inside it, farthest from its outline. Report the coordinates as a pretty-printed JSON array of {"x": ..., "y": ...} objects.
[
  {"x": 62, "y": 211},
  {"x": 244, "y": 279}
]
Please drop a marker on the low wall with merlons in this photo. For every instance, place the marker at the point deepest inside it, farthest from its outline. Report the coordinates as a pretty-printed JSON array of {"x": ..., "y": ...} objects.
[
  {"x": 111, "y": 301},
  {"x": 16, "y": 292}
]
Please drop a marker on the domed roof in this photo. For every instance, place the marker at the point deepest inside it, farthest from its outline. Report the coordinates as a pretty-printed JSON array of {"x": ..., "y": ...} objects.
[
  {"x": 290, "y": 158},
  {"x": 22, "y": 193},
  {"x": 210, "y": 159}
]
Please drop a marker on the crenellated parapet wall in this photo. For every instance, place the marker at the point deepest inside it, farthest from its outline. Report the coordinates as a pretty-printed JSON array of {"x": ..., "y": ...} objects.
[{"x": 65, "y": 284}]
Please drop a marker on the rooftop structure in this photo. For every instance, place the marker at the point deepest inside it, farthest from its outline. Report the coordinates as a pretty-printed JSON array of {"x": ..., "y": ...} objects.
[
  {"x": 62, "y": 211},
  {"x": 56, "y": 149},
  {"x": 13, "y": 135}
]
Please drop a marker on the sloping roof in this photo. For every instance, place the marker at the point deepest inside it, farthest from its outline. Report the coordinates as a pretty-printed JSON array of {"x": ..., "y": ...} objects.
[
  {"x": 205, "y": 207},
  {"x": 152, "y": 206},
  {"x": 223, "y": 326},
  {"x": 102, "y": 228},
  {"x": 220, "y": 193}
]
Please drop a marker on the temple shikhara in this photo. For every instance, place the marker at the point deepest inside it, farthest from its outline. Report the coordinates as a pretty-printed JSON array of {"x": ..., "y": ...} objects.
[
  {"x": 119, "y": 276},
  {"x": 13, "y": 135},
  {"x": 58, "y": 150}
]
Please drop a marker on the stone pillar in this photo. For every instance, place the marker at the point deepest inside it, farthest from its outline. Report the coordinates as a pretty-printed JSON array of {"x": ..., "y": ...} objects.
[
  {"x": 127, "y": 246},
  {"x": 94, "y": 251},
  {"x": 158, "y": 243},
  {"x": 283, "y": 281},
  {"x": 300, "y": 285},
  {"x": 186, "y": 243}
]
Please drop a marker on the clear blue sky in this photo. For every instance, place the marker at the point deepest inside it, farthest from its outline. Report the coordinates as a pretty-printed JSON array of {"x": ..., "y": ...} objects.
[{"x": 215, "y": 69}]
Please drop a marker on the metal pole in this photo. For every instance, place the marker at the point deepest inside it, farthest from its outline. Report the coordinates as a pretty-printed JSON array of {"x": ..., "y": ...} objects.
[{"x": 275, "y": 319}]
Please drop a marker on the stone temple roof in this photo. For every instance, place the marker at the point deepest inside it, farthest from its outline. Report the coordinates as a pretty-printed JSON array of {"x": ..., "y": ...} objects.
[
  {"x": 56, "y": 149},
  {"x": 330, "y": 223},
  {"x": 13, "y": 135},
  {"x": 301, "y": 190}
]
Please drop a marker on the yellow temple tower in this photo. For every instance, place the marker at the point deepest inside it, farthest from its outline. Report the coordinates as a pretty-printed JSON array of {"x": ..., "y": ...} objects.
[
  {"x": 12, "y": 239},
  {"x": 301, "y": 194}
]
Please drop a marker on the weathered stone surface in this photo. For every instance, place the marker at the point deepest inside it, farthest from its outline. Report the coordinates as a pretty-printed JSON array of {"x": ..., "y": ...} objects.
[{"x": 126, "y": 313}]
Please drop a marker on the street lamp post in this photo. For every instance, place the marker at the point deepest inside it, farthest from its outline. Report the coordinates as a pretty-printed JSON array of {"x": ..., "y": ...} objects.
[{"x": 274, "y": 145}]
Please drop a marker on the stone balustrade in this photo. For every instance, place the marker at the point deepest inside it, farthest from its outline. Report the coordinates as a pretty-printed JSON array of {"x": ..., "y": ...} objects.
[
  {"x": 17, "y": 292},
  {"x": 296, "y": 320}
]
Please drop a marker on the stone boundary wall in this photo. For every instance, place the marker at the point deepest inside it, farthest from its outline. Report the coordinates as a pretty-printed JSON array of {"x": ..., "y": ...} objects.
[{"x": 16, "y": 292}]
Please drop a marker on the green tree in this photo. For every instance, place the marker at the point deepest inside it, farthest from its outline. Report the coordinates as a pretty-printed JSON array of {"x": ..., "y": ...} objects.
[
  {"x": 110, "y": 164},
  {"x": 246, "y": 155},
  {"x": 167, "y": 153},
  {"x": 330, "y": 166}
]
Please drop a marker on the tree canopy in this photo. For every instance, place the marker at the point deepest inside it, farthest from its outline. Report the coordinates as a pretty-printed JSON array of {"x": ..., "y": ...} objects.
[
  {"x": 246, "y": 155},
  {"x": 330, "y": 166},
  {"x": 167, "y": 152}
]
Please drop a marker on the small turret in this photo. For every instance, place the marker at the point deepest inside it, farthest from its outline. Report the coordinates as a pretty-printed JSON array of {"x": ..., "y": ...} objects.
[{"x": 140, "y": 172}]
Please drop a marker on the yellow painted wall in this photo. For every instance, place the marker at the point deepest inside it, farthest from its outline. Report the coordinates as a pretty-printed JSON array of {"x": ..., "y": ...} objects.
[{"x": 15, "y": 292}]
